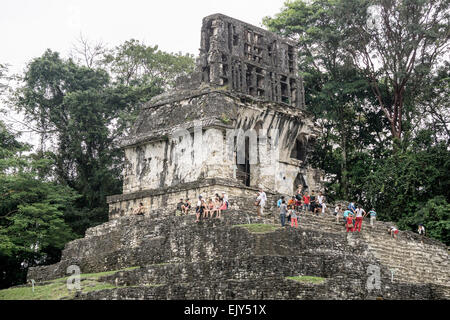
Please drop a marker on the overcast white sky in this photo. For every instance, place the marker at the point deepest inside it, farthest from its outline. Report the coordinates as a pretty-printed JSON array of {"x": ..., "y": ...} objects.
[{"x": 28, "y": 27}]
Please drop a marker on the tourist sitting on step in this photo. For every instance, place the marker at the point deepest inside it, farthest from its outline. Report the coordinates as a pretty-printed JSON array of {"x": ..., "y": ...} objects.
[
  {"x": 210, "y": 209},
  {"x": 225, "y": 200},
  {"x": 393, "y": 231},
  {"x": 217, "y": 206},
  {"x": 139, "y": 211},
  {"x": 338, "y": 212},
  {"x": 298, "y": 196},
  {"x": 298, "y": 203},
  {"x": 293, "y": 216},
  {"x": 223, "y": 205},
  {"x": 180, "y": 208},
  {"x": 186, "y": 207},
  {"x": 291, "y": 201},
  {"x": 349, "y": 222},
  {"x": 317, "y": 207}
]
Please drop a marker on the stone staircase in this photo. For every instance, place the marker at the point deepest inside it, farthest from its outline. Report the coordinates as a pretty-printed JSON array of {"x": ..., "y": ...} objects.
[
  {"x": 220, "y": 259},
  {"x": 410, "y": 258}
]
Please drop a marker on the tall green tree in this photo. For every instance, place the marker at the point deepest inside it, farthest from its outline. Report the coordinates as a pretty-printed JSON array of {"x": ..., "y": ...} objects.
[
  {"x": 136, "y": 64},
  {"x": 358, "y": 149},
  {"x": 76, "y": 106},
  {"x": 32, "y": 226},
  {"x": 336, "y": 92},
  {"x": 396, "y": 44},
  {"x": 81, "y": 112}
]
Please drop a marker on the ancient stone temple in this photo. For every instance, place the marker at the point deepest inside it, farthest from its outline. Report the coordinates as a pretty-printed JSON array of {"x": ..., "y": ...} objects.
[{"x": 236, "y": 124}]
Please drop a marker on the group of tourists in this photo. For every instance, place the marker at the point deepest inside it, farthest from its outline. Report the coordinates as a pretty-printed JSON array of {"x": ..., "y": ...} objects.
[
  {"x": 302, "y": 201},
  {"x": 353, "y": 216},
  {"x": 210, "y": 208},
  {"x": 290, "y": 209}
]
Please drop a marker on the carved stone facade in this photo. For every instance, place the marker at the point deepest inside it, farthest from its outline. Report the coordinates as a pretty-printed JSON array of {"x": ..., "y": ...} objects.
[
  {"x": 250, "y": 60},
  {"x": 238, "y": 119}
]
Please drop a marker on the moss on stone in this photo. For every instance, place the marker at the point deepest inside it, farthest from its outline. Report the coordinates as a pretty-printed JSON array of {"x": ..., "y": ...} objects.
[
  {"x": 307, "y": 279},
  {"x": 225, "y": 119},
  {"x": 95, "y": 276}
]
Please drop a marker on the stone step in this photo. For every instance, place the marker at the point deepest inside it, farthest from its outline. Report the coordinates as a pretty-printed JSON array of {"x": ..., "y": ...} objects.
[
  {"x": 274, "y": 288},
  {"x": 253, "y": 267}
]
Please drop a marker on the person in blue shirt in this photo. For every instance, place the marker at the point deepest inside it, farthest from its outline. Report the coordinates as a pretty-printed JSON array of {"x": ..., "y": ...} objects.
[
  {"x": 352, "y": 207},
  {"x": 280, "y": 201}
]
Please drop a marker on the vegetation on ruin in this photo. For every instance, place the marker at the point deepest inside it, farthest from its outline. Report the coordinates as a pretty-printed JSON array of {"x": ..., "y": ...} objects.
[
  {"x": 307, "y": 279},
  {"x": 225, "y": 119}
]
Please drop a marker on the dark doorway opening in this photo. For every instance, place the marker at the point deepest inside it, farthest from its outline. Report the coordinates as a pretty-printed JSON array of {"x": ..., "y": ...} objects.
[
  {"x": 243, "y": 169},
  {"x": 299, "y": 150}
]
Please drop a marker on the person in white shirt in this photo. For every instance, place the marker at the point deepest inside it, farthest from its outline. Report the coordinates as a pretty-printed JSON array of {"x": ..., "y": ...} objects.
[
  {"x": 359, "y": 218},
  {"x": 337, "y": 212},
  {"x": 421, "y": 229},
  {"x": 393, "y": 231},
  {"x": 225, "y": 198},
  {"x": 262, "y": 198},
  {"x": 322, "y": 204}
]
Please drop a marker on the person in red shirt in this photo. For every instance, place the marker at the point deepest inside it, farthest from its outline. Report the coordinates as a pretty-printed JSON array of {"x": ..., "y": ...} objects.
[
  {"x": 306, "y": 199},
  {"x": 349, "y": 224}
]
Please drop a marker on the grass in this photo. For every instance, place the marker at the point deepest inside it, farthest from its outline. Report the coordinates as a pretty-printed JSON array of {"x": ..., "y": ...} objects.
[
  {"x": 95, "y": 276},
  {"x": 51, "y": 291},
  {"x": 259, "y": 227},
  {"x": 57, "y": 289},
  {"x": 307, "y": 279}
]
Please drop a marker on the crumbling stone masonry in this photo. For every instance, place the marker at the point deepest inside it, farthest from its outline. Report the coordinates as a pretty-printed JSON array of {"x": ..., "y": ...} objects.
[
  {"x": 236, "y": 124},
  {"x": 250, "y": 60}
]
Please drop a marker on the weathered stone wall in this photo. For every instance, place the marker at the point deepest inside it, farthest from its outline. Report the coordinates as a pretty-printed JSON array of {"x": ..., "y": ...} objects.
[
  {"x": 166, "y": 199},
  {"x": 160, "y": 153},
  {"x": 250, "y": 60}
]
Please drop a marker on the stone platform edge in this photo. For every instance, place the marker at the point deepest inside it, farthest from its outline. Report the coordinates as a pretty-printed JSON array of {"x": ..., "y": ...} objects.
[{"x": 181, "y": 187}]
